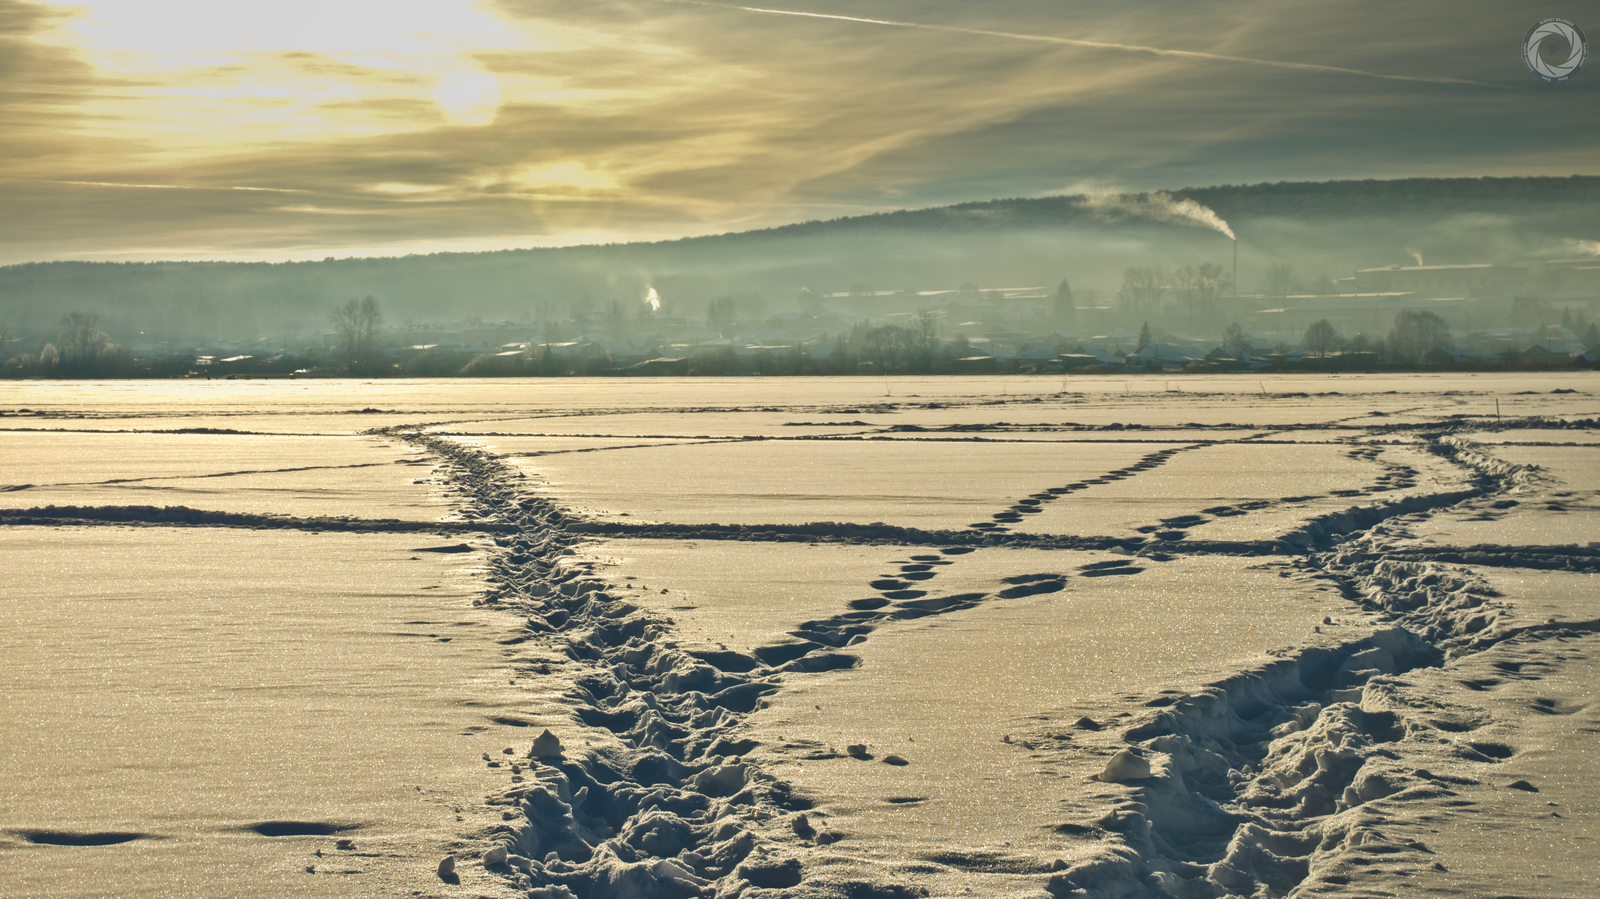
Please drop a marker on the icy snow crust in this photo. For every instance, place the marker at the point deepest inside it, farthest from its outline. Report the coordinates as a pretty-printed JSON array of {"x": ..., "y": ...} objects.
[
  {"x": 219, "y": 706},
  {"x": 299, "y": 476},
  {"x": 1255, "y": 655}
]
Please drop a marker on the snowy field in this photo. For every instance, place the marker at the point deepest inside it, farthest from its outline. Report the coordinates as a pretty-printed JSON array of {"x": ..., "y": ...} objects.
[{"x": 1179, "y": 638}]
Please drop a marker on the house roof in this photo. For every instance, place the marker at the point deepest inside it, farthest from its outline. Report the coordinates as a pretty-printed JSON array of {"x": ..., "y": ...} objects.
[{"x": 1170, "y": 352}]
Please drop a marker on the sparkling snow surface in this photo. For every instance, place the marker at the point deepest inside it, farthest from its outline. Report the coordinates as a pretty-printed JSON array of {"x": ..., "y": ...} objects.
[
  {"x": 297, "y": 476},
  {"x": 1012, "y": 636},
  {"x": 918, "y": 484},
  {"x": 188, "y": 685}
]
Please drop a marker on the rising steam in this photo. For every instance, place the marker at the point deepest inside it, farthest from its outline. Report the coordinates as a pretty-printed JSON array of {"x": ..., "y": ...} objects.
[
  {"x": 1415, "y": 254},
  {"x": 654, "y": 299},
  {"x": 1157, "y": 206}
]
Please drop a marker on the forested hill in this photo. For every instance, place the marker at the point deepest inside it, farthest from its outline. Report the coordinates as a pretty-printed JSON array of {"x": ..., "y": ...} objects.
[
  {"x": 1316, "y": 226},
  {"x": 1309, "y": 200}
]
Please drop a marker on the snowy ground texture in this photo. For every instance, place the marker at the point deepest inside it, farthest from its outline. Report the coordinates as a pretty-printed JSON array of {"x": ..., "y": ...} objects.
[{"x": 846, "y": 639}]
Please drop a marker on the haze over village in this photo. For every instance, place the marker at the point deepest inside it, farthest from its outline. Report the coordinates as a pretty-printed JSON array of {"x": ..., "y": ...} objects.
[{"x": 1475, "y": 315}]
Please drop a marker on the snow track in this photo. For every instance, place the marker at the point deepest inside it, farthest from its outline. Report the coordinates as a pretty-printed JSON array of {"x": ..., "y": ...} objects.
[
  {"x": 1277, "y": 781},
  {"x": 670, "y": 809},
  {"x": 1261, "y": 784}
]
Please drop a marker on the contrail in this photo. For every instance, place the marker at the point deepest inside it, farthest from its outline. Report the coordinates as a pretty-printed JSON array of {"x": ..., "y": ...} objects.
[
  {"x": 1100, "y": 45},
  {"x": 271, "y": 190}
]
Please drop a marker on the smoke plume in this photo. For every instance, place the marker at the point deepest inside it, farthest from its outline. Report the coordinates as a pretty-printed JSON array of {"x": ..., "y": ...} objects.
[
  {"x": 1158, "y": 206},
  {"x": 1415, "y": 254}
]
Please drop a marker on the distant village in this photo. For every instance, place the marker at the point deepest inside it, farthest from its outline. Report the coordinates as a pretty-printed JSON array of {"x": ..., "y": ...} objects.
[{"x": 1458, "y": 317}]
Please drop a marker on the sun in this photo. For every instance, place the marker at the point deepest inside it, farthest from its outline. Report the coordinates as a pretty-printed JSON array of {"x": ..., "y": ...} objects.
[{"x": 468, "y": 96}]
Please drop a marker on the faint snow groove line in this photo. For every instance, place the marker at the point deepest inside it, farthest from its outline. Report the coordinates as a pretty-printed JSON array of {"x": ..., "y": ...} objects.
[
  {"x": 860, "y": 534},
  {"x": 600, "y": 449},
  {"x": 1537, "y": 424},
  {"x": 183, "y": 516},
  {"x": 667, "y": 806},
  {"x": 1548, "y": 558},
  {"x": 218, "y": 474},
  {"x": 1448, "y": 427},
  {"x": 677, "y": 441},
  {"x": 221, "y": 432}
]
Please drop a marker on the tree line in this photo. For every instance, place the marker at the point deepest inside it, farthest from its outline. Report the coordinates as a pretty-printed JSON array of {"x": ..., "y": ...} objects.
[{"x": 81, "y": 350}]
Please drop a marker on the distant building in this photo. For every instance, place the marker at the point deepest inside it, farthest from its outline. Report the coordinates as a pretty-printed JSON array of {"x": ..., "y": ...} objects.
[
  {"x": 1166, "y": 356},
  {"x": 1574, "y": 277},
  {"x": 1444, "y": 280},
  {"x": 1546, "y": 354},
  {"x": 1370, "y": 313}
]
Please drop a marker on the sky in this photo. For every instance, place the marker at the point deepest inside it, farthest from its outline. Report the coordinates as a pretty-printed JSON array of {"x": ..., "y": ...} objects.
[{"x": 302, "y": 129}]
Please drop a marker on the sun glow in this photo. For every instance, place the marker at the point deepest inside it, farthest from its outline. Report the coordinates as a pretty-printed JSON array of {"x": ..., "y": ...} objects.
[
  {"x": 572, "y": 174},
  {"x": 187, "y": 77},
  {"x": 468, "y": 96}
]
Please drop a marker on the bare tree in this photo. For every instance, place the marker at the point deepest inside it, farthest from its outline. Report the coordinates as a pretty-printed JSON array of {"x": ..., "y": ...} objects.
[
  {"x": 1141, "y": 289},
  {"x": 888, "y": 346},
  {"x": 1233, "y": 336},
  {"x": 921, "y": 339},
  {"x": 1530, "y": 311},
  {"x": 582, "y": 310},
  {"x": 1280, "y": 280},
  {"x": 1184, "y": 280},
  {"x": 1415, "y": 333},
  {"x": 358, "y": 324},
  {"x": 1200, "y": 285},
  {"x": 840, "y": 360},
  {"x": 720, "y": 315},
  {"x": 615, "y": 319},
  {"x": 1320, "y": 338},
  {"x": 82, "y": 346},
  {"x": 1548, "y": 283},
  {"x": 1066, "y": 306}
]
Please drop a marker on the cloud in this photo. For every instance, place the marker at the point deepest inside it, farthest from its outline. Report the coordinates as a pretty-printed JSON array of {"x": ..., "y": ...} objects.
[{"x": 521, "y": 122}]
